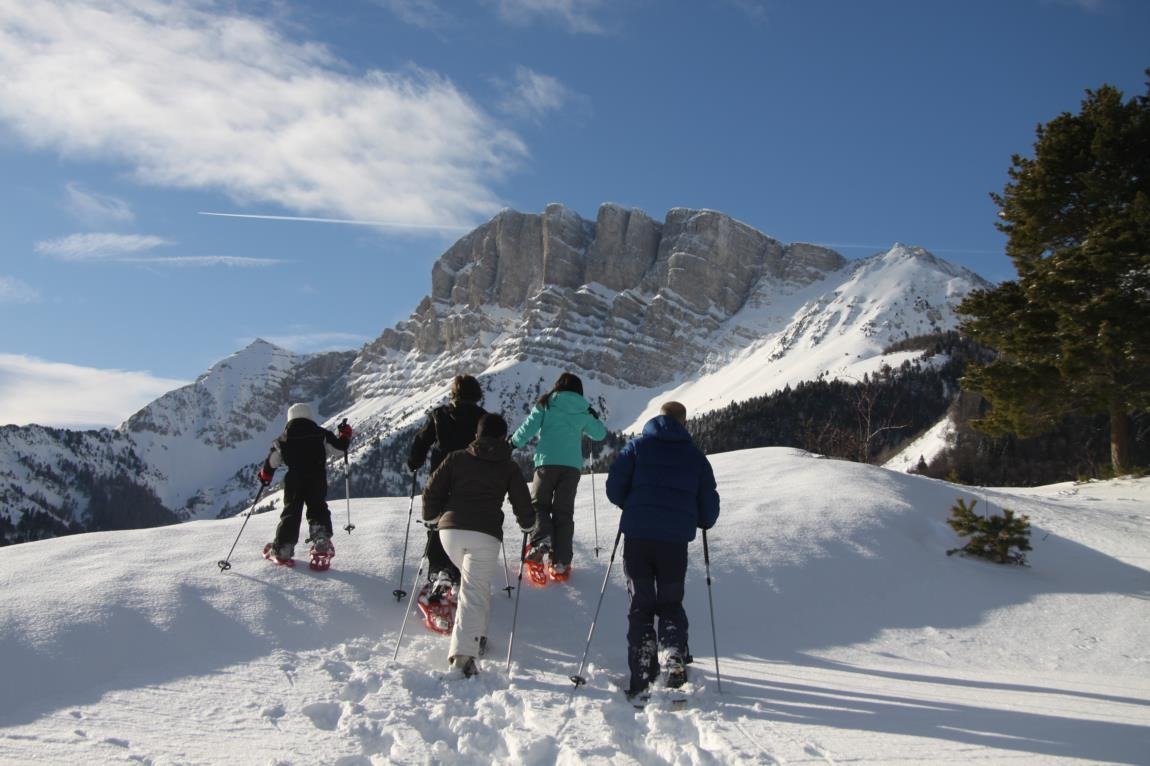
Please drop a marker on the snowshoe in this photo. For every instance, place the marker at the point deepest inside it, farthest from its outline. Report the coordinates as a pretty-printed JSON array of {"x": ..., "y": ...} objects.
[
  {"x": 559, "y": 572},
  {"x": 438, "y": 609},
  {"x": 534, "y": 558},
  {"x": 319, "y": 559},
  {"x": 277, "y": 556}
]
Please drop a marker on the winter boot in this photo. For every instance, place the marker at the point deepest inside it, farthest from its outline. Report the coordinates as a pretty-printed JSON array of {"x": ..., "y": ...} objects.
[
  {"x": 676, "y": 672},
  {"x": 463, "y": 666},
  {"x": 441, "y": 586},
  {"x": 320, "y": 539}
]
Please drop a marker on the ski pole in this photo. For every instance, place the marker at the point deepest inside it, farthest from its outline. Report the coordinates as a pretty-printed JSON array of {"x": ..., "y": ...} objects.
[
  {"x": 519, "y": 590},
  {"x": 578, "y": 678},
  {"x": 407, "y": 612},
  {"x": 594, "y": 509},
  {"x": 225, "y": 563},
  {"x": 506, "y": 576},
  {"x": 399, "y": 592},
  {"x": 711, "y": 601},
  {"x": 347, "y": 486}
]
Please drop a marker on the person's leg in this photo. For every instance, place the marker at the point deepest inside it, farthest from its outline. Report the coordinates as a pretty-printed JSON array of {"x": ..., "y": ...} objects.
[
  {"x": 642, "y": 649},
  {"x": 671, "y": 578},
  {"x": 315, "y": 493},
  {"x": 563, "y": 513},
  {"x": 287, "y": 531},
  {"x": 542, "y": 490},
  {"x": 477, "y": 556},
  {"x": 438, "y": 560}
]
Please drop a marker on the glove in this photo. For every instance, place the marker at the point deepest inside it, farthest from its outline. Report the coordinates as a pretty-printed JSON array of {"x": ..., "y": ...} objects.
[
  {"x": 413, "y": 466},
  {"x": 432, "y": 524},
  {"x": 527, "y": 529},
  {"x": 345, "y": 431},
  {"x": 265, "y": 477},
  {"x": 591, "y": 411}
]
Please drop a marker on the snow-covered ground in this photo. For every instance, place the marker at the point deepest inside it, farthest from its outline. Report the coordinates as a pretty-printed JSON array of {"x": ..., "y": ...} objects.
[{"x": 845, "y": 634}]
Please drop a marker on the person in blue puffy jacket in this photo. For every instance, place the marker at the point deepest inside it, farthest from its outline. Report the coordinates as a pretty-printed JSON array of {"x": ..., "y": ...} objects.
[
  {"x": 561, "y": 417},
  {"x": 666, "y": 488}
]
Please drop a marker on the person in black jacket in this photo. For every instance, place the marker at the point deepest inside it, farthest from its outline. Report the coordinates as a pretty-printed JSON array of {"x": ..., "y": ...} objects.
[
  {"x": 449, "y": 427},
  {"x": 303, "y": 447},
  {"x": 464, "y": 500}
]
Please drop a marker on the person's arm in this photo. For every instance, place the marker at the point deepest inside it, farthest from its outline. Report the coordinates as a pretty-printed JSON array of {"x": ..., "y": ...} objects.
[
  {"x": 337, "y": 445},
  {"x": 421, "y": 444},
  {"x": 520, "y": 497},
  {"x": 593, "y": 426},
  {"x": 438, "y": 490},
  {"x": 619, "y": 475},
  {"x": 530, "y": 427},
  {"x": 708, "y": 498}
]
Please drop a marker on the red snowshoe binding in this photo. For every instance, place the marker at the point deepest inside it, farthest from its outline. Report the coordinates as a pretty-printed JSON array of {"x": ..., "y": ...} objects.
[
  {"x": 437, "y": 608},
  {"x": 559, "y": 572},
  {"x": 533, "y": 558},
  {"x": 321, "y": 561},
  {"x": 271, "y": 556}
]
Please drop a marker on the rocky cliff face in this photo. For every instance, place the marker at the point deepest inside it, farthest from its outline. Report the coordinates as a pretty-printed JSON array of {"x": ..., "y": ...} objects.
[{"x": 635, "y": 300}]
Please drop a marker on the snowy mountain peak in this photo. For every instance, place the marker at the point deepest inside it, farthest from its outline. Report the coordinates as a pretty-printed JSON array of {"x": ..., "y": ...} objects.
[{"x": 698, "y": 306}]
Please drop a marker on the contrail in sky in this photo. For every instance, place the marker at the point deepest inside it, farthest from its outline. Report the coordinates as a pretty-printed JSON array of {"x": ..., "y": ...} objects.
[{"x": 392, "y": 224}]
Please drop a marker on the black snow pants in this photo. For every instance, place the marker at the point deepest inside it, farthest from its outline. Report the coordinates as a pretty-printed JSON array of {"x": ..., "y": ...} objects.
[
  {"x": 300, "y": 489},
  {"x": 656, "y": 574}
]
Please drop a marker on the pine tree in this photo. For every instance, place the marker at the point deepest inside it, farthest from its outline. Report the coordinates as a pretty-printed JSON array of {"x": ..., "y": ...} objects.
[
  {"x": 1072, "y": 330},
  {"x": 992, "y": 537}
]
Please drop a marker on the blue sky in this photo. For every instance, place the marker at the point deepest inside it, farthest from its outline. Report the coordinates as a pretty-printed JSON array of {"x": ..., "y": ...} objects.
[{"x": 853, "y": 123}]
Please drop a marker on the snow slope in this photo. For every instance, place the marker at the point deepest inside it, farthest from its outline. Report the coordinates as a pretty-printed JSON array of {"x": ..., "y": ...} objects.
[{"x": 845, "y": 634}]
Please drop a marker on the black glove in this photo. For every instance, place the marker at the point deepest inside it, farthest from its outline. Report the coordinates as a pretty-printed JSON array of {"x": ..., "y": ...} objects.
[
  {"x": 413, "y": 466},
  {"x": 527, "y": 529},
  {"x": 432, "y": 524},
  {"x": 591, "y": 411}
]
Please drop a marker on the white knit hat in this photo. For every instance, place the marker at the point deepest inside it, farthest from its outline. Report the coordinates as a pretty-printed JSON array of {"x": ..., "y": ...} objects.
[{"x": 301, "y": 410}]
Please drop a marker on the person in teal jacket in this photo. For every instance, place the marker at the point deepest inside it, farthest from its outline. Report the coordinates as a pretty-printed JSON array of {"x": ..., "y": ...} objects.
[{"x": 561, "y": 417}]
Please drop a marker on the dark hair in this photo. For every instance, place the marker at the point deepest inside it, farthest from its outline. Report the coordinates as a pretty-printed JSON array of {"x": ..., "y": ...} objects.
[
  {"x": 465, "y": 388},
  {"x": 492, "y": 425},
  {"x": 568, "y": 381}
]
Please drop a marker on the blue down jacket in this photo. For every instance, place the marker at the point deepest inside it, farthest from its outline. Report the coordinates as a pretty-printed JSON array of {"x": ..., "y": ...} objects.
[{"x": 664, "y": 484}]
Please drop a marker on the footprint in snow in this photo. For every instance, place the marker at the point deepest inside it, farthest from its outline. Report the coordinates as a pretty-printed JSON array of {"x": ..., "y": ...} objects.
[{"x": 324, "y": 715}]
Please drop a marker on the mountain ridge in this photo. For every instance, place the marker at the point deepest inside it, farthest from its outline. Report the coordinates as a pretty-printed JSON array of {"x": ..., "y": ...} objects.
[{"x": 699, "y": 307}]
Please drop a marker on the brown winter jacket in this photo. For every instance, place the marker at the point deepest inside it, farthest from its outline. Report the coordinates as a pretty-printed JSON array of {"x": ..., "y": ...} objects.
[{"x": 467, "y": 490}]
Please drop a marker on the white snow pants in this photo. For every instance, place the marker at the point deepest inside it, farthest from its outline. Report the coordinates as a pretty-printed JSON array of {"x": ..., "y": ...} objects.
[{"x": 477, "y": 556}]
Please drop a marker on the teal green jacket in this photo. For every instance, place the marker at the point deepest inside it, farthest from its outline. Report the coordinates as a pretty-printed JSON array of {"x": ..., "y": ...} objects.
[{"x": 560, "y": 425}]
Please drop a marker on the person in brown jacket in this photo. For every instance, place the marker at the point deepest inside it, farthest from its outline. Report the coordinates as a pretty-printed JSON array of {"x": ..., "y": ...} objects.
[{"x": 464, "y": 500}]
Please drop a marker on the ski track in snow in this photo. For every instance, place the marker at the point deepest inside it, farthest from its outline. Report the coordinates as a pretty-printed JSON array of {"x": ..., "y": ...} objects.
[{"x": 828, "y": 655}]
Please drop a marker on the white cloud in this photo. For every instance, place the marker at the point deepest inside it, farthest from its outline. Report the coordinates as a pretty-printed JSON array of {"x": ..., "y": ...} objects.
[
  {"x": 13, "y": 290},
  {"x": 191, "y": 97},
  {"x": 1086, "y": 5},
  {"x": 421, "y": 13},
  {"x": 532, "y": 94},
  {"x": 575, "y": 15},
  {"x": 755, "y": 10},
  {"x": 306, "y": 343},
  {"x": 99, "y": 246},
  {"x": 96, "y": 209},
  {"x": 69, "y": 396},
  {"x": 125, "y": 248}
]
